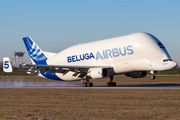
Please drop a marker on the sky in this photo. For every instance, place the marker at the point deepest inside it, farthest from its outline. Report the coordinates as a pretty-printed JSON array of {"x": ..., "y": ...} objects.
[{"x": 57, "y": 24}]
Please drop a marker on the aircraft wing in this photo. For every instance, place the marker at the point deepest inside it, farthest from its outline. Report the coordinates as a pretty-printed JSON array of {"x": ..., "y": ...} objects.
[
  {"x": 81, "y": 71},
  {"x": 65, "y": 66}
]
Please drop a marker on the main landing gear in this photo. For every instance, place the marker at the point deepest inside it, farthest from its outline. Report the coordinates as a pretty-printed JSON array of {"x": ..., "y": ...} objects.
[
  {"x": 90, "y": 84},
  {"x": 152, "y": 76},
  {"x": 87, "y": 83},
  {"x": 111, "y": 83}
]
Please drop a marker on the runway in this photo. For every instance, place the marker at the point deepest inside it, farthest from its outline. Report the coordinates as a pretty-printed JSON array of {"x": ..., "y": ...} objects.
[
  {"x": 103, "y": 87},
  {"x": 123, "y": 83}
]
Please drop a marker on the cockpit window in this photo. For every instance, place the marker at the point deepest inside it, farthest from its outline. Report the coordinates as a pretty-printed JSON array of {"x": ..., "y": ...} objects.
[
  {"x": 161, "y": 45},
  {"x": 166, "y": 60}
]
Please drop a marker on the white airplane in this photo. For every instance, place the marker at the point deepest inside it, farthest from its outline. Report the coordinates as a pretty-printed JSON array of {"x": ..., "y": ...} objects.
[{"x": 132, "y": 55}]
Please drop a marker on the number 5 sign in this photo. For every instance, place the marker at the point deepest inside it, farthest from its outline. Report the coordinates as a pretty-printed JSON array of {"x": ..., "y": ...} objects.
[{"x": 7, "y": 65}]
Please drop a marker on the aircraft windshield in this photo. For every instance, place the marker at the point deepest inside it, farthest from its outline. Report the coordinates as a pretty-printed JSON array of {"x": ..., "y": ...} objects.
[{"x": 166, "y": 60}]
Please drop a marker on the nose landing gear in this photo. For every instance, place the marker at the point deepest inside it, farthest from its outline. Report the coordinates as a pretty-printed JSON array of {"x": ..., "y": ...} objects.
[{"x": 152, "y": 76}]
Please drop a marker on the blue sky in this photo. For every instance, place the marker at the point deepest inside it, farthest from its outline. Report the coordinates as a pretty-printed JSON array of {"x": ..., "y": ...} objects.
[{"x": 57, "y": 24}]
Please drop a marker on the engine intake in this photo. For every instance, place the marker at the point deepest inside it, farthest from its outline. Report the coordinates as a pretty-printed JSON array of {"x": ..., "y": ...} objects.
[
  {"x": 138, "y": 74},
  {"x": 96, "y": 73}
]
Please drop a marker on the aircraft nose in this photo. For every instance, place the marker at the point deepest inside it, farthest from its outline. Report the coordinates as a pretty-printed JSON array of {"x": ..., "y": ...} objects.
[
  {"x": 169, "y": 65},
  {"x": 173, "y": 64}
]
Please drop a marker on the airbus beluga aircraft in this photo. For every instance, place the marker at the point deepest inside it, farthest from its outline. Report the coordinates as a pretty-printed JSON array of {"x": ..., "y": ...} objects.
[{"x": 132, "y": 55}]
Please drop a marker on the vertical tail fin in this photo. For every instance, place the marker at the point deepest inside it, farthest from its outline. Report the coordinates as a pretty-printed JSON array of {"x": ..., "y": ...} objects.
[
  {"x": 35, "y": 53},
  {"x": 7, "y": 65}
]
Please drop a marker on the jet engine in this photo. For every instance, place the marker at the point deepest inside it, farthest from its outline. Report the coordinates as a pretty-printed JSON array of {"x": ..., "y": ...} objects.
[
  {"x": 137, "y": 74},
  {"x": 96, "y": 73}
]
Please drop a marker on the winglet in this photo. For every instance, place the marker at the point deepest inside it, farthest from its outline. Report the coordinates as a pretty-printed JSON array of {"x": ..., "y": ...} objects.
[{"x": 7, "y": 65}]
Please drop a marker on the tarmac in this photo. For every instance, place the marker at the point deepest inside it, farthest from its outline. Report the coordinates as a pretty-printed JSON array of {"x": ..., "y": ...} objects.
[{"x": 103, "y": 87}]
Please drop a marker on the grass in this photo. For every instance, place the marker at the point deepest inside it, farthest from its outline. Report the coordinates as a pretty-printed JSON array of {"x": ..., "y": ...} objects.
[
  {"x": 39, "y": 104},
  {"x": 89, "y": 104},
  {"x": 15, "y": 73}
]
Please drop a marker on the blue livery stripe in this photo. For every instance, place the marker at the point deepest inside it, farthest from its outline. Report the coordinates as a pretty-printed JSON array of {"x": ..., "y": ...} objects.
[
  {"x": 50, "y": 75},
  {"x": 38, "y": 57}
]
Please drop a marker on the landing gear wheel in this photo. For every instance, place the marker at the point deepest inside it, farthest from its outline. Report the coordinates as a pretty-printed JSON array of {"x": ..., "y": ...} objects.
[
  {"x": 107, "y": 84},
  {"x": 85, "y": 84},
  {"x": 89, "y": 84},
  {"x": 153, "y": 77},
  {"x": 114, "y": 84},
  {"x": 111, "y": 84}
]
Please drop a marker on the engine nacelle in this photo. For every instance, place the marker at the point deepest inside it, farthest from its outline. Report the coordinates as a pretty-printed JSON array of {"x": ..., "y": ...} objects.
[
  {"x": 96, "y": 73},
  {"x": 137, "y": 74}
]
